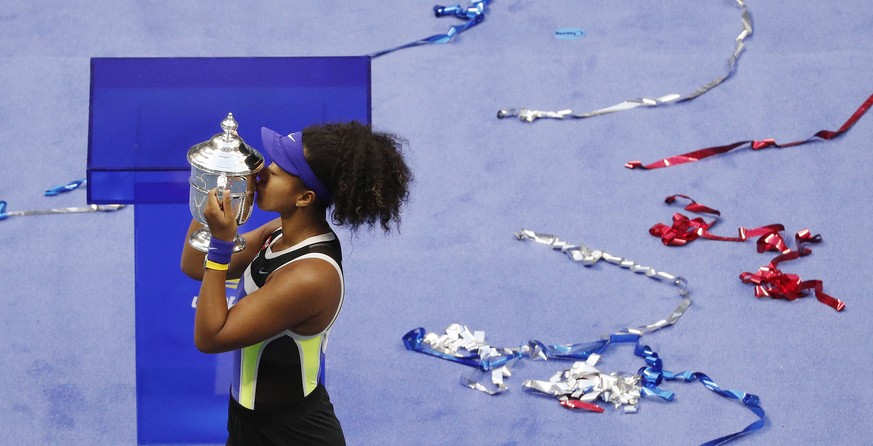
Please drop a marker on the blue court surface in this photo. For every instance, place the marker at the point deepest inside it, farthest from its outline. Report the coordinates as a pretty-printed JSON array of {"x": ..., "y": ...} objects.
[{"x": 79, "y": 357}]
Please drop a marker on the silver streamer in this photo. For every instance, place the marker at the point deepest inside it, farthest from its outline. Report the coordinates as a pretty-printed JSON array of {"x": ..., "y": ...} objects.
[
  {"x": 459, "y": 338},
  {"x": 588, "y": 257},
  {"x": 460, "y": 342},
  {"x": 528, "y": 115},
  {"x": 586, "y": 383},
  {"x": 583, "y": 381},
  {"x": 482, "y": 384},
  {"x": 69, "y": 210}
]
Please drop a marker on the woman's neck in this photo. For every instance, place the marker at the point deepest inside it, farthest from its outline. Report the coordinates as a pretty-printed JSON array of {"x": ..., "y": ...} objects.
[{"x": 301, "y": 225}]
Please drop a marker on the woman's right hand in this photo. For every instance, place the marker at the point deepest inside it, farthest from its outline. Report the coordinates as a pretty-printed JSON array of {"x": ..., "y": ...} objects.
[{"x": 220, "y": 216}]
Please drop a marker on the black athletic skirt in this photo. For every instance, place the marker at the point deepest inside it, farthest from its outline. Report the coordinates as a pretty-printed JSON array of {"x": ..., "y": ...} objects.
[{"x": 309, "y": 422}]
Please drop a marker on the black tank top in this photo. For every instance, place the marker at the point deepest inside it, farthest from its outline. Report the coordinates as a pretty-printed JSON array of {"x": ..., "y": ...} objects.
[{"x": 287, "y": 367}]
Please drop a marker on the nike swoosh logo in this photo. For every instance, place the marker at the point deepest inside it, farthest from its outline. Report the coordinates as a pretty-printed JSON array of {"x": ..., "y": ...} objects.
[{"x": 263, "y": 271}]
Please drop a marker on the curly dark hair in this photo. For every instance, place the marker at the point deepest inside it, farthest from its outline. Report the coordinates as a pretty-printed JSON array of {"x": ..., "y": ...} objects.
[{"x": 364, "y": 169}]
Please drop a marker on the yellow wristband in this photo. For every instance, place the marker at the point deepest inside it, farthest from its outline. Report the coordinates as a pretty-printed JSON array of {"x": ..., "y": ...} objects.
[{"x": 216, "y": 266}]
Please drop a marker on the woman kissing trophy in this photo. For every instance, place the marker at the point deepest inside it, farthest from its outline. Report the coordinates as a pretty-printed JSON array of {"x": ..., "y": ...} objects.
[{"x": 225, "y": 162}]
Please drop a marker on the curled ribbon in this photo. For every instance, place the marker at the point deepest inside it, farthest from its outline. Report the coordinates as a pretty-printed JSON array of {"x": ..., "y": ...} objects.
[
  {"x": 588, "y": 257},
  {"x": 496, "y": 384},
  {"x": 72, "y": 185},
  {"x": 586, "y": 383},
  {"x": 583, "y": 384},
  {"x": 4, "y": 214},
  {"x": 769, "y": 281},
  {"x": 472, "y": 15},
  {"x": 528, "y": 115},
  {"x": 459, "y": 345},
  {"x": 538, "y": 350},
  {"x": 698, "y": 155},
  {"x": 685, "y": 230},
  {"x": 654, "y": 374}
]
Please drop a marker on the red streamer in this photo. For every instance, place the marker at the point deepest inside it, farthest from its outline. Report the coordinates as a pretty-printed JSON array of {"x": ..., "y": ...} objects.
[
  {"x": 769, "y": 281},
  {"x": 578, "y": 404},
  {"x": 685, "y": 230},
  {"x": 698, "y": 155}
]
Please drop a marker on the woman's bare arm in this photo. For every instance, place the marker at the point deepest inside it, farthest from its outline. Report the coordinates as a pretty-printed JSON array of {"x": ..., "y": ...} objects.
[{"x": 192, "y": 259}]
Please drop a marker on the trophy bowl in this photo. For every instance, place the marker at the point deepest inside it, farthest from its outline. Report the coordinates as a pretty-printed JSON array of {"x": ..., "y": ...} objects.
[{"x": 225, "y": 162}]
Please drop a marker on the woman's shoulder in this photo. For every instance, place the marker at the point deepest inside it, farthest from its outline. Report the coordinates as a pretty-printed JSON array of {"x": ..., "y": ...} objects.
[{"x": 267, "y": 230}]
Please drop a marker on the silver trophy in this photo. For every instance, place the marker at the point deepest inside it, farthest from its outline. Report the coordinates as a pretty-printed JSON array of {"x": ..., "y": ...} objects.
[{"x": 225, "y": 162}]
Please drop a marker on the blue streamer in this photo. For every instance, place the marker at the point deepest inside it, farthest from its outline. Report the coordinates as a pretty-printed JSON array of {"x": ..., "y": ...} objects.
[
  {"x": 654, "y": 374},
  {"x": 651, "y": 376},
  {"x": 579, "y": 352},
  {"x": 473, "y": 15},
  {"x": 72, "y": 185},
  {"x": 414, "y": 340}
]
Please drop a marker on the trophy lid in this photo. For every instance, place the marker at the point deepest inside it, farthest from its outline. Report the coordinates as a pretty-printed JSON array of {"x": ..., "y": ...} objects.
[{"x": 226, "y": 153}]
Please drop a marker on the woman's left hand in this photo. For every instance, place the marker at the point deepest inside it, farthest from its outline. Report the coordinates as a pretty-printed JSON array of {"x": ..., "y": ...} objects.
[{"x": 220, "y": 216}]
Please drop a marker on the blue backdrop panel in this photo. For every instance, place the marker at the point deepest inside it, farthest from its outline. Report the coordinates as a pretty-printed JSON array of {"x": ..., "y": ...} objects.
[
  {"x": 145, "y": 114},
  {"x": 179, "y": 397}
]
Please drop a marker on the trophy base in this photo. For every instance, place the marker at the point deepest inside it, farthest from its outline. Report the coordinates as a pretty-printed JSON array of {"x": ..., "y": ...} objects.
[{"x": 200, "y": 241}]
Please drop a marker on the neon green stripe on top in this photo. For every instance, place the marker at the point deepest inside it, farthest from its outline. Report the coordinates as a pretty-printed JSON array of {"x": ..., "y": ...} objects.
[
  {"x": 310, "y": 357},
  {"x": 249, "y": 374}
]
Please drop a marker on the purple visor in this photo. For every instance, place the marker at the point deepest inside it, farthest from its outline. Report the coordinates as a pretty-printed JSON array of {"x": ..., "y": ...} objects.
[{"x": 287, "y": 153}]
